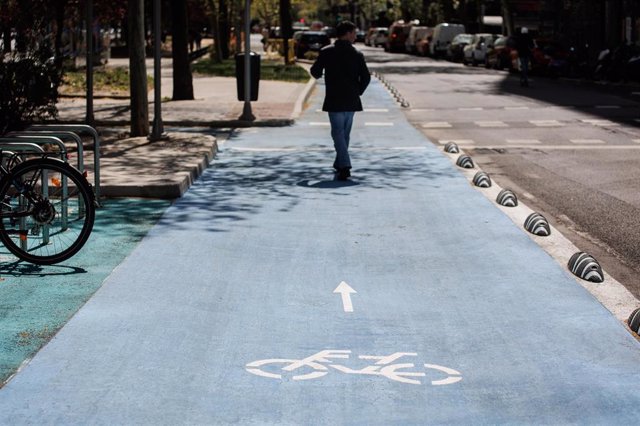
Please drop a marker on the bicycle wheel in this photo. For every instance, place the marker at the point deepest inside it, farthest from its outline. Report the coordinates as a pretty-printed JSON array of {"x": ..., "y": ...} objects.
[{"x": 46, "y": 211}]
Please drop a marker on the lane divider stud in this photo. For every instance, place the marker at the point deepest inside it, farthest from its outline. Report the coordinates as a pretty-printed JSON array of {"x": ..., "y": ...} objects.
[
  {"x": 586, "y": 267},
  {"x": 482, "y": 180},
  {"x": 465, "y": 162},
  {"x": 507, "y": 198},
  {"x": 537, "y": 225},
  {"x": 451, "y": 148},
  {"x": 634, "y": 321}
]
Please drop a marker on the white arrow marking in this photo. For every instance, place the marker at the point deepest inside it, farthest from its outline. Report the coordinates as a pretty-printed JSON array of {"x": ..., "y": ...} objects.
[{"x": 345, "y": 291}]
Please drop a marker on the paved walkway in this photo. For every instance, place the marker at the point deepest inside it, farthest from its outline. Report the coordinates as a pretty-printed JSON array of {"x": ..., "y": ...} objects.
[
  {"x": 164, "y": 169},
  {"x": 232, "y": 310}
]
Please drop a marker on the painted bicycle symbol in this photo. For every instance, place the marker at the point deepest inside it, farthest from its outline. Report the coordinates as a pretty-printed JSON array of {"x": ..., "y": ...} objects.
[{"x": 317, "y": 365}]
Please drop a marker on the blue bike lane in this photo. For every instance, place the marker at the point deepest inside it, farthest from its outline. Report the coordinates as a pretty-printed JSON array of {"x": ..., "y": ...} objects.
[{"x": 272, "y": 294}]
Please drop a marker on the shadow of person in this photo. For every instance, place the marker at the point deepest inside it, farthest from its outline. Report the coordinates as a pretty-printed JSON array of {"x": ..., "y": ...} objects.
[{"x": 327, "y": 184}]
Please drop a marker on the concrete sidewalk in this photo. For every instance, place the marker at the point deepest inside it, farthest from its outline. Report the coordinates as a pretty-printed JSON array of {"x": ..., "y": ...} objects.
[
  {"x": 215, "y": 105},
  {"x": 136, "y": 167}
]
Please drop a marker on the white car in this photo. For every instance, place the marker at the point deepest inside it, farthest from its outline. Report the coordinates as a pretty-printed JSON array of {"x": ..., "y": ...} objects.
[
  {"x": 475, "y": 52},
  {"x": 443, "y": 34}
]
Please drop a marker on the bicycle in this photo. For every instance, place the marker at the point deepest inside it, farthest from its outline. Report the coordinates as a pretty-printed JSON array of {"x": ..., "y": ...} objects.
[
  {"x": 47, "y": 209},
  {"x": 319, "y": 362}
]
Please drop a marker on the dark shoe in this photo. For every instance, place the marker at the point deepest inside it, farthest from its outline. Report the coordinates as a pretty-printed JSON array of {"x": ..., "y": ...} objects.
[{"x": 343, "y": 174}]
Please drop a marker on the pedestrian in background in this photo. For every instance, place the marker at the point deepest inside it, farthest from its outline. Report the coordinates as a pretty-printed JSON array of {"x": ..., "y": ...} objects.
[
  {"x": 524, "y": 45},
  {"x": 346, "y": 77}
]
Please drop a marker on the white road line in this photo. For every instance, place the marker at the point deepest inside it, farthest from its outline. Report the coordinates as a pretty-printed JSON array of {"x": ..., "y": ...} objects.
[
  {"x": 635, "y": 140},
  {"x": 600, "y": 122},
  {"x": 319, "y": 123},
  {"x": 376, "y": 110},
  {"x": 515, "y": 107},
  {"x": 422, "y": 110},
  {"x": 471, "y": 109},
  {"x": 378, "y": 123},
  {"x": 607, "y": 106},
  {"x": 546, "y": 123},
  {"x": 586, "y": 141},
  {"x": 491, "y": 123},
  {"x": 436, "y": 125},
  {"x": 523, "y": 141}
]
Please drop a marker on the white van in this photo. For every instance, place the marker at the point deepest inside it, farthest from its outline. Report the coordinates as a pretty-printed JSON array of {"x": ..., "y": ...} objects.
[
  {"x": 415, "y": 34},
  {"x": 442, "y": 36}
]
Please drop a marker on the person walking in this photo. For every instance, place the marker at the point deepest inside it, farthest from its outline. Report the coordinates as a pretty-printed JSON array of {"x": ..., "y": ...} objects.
[
  {"x": 524, "y": 46},
  {"x": 346, "y": 78}
]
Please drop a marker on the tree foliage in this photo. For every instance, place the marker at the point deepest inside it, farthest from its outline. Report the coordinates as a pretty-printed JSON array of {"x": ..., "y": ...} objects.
[{"x": 29, "y": 76}]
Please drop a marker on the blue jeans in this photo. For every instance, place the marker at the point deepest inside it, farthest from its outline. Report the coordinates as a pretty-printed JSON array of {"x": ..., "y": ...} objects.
[{"x": 340, "y": 130}]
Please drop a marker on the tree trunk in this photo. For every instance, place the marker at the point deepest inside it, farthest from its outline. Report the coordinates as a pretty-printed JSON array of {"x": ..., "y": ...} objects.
[
  {"x": 508, "y": 17},
  {"x": 182, "y": 78},
  {"x": 285, "y": 26},
  {"x": 223, "y": 24},
  {"x": 216, "y": 53},
  {"x": 138, "y": 70}
]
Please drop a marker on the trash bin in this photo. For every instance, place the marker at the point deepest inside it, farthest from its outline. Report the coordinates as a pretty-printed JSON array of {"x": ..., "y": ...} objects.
[{"x": 255, "y": 75}]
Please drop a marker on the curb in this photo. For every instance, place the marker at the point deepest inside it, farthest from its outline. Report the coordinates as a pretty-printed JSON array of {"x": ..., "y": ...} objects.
[
  {"x": 272, "y": 122},
  {"x": 302, "y": 99},
  {"x": 168, "y": 191}
]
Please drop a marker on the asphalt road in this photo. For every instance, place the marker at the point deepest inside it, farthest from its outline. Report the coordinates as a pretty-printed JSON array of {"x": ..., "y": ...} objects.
[{"x": 570, "y": 149}]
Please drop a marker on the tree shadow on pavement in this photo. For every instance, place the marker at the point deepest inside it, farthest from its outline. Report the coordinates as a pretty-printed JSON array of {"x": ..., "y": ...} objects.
[
  {"x": 241, "y": 185},
  {"x": 583, "y": 95}
]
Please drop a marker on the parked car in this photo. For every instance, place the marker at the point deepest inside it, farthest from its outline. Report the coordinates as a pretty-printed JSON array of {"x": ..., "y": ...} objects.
[
  {"x": 499, "y": 54},
  {"x": 476, "y": 51},
  {"x": 331, "y": 31},
  {"x": 360, "y": 36},
  {"x": 376, "y": 36},
  {"x": 548, "y": 57},
  {"x": 380, "y": 38},
  {"x": 422, "y": 45},
  {"x": 455, "y": 50},
  {"x": 305, "y": 41},
  {"x": 398, "y": 33},
  {"x": 443, "y": 34},
  {"x": 415, "y": 34}
]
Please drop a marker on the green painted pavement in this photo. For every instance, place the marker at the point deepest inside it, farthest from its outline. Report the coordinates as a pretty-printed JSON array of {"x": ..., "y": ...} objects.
[{"x": 36, "y": 301}]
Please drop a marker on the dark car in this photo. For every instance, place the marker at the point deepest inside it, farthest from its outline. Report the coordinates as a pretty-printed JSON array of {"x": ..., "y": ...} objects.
[
  {"x": 309, "y": 41},
  {"x": 499, "y": 54},
  {"x": 331, "y": 31},
  {"x": 398, "y": 33},
  {"x": 360, "y": 35}
]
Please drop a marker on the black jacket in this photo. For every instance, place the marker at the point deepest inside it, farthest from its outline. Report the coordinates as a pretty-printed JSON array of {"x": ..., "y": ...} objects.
[
  {"x": 346, "y": 76},
  {"x": 524, "y": 44}
]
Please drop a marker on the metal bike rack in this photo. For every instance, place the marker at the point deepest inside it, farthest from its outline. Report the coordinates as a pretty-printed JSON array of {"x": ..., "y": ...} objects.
[
  {"x": 64, "y": 136},
  {"x": 34, "y": 145},
  {"x": 78, "y": 129},
  {"x": 23, "y": 147},
  {"x": 44, "y": 140},
  {"x": 36, "y": 140}
]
